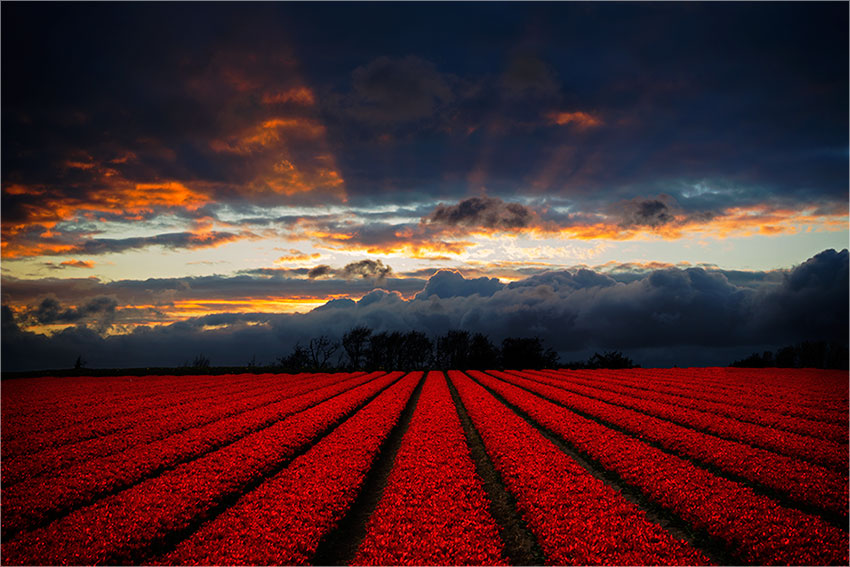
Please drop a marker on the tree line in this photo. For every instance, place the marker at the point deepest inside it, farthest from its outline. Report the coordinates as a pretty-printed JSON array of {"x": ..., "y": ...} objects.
[
  {"x": 808, "y": 354},
  {"x": 361, "y": 348}
]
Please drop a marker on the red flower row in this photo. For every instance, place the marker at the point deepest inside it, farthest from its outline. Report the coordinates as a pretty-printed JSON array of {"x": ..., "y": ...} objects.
[
  {"x": 434, "y": 509},
  {"x": 576, "y": 518},
  {"x": 86, "y": 441},
  {"x": 124, "y": 527},
  {"x": 755, "y": 529},
  {"x": 779, "y": 390},
  {"x": 805, "y": 384},
  {"x": 798, "y": 480},
  {"x": 826, "y": 453},
  {"x": 285, "y": 518},
  {"x": 29, "y": 503},
  {"x": 763, "y": 417},
  {"x": 81, "y": 400}
]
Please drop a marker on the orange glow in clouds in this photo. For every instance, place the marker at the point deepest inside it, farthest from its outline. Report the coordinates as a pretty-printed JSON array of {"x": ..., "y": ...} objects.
[
  {"x": 580, "y": 119},
  {"x": 297, "y": 95},
  {"x": 292, "y": 304}
]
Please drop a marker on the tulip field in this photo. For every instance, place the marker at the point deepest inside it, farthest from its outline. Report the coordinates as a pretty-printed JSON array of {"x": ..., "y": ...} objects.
[{"x": 698, "y": 466}]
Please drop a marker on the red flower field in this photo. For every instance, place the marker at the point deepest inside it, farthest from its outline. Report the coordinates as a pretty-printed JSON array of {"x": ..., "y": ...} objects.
[{"x": 586, "y": 467}]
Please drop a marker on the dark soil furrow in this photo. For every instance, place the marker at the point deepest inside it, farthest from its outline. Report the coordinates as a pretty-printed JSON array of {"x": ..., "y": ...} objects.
[
  {"x": 154, "y": 473},
  {"x": 169, "y": 542},
  {"x": 339, "y": 546},
  {"x": 711, "y": 547},
  {"x": 521, "y": 545},
  {"x": 830, "y": 517}
]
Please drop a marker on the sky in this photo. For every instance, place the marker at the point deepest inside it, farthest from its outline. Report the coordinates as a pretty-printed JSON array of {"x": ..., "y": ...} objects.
[{"x": 230, "y": 179}]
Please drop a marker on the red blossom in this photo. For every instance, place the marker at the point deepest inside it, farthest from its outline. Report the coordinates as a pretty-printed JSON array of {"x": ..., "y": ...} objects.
[
  {"x": 754, "y": 528},
  {"x": 796, "y": 479},
  {"x": 434, "y": 509}
]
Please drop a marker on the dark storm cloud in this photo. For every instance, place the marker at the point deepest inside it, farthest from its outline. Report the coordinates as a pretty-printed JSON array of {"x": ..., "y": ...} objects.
[
  {"x": 527, "y": 75},
  {"x": 482, "y": 212},
  {"x": 98, "y": 311},
  {"x": 648, "y": 212},
  {"x": 320, "y": 271},
  {"x": 269, "y": 283},
  {"x": 362, "y": 269},
  {"x": 51, "y": 311},
  {"x": 202, "y": 114},
  {"x": 407, "y": 113},
  {"x": 672, "y": 316},
  {"x": 446, "y": 283},
  {"x": 64, "y": 241},
  {"x": 387, "y": 91},
  {"x": 171, "y": 240},
  {"x": 812, "y": 299},
  {"x": 366, "y": 269}
]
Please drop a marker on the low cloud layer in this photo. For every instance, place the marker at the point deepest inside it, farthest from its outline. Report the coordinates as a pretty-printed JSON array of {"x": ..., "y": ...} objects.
[
  {"x": 690, "y": 316},
  {"x": 100, "y": 311}
]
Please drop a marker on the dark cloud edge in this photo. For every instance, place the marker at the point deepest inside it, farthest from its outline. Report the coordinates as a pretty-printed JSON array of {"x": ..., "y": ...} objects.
[{"x": 671, "y": 316}]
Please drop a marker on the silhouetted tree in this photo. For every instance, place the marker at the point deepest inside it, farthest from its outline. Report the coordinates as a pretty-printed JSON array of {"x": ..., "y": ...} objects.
[
  {"x": 399, "y": 351},
  {"x": 201, "y": 361},
  {"x": 483, "y": 354},
  {"x": 520, "y": 353},
  {"x": 79, "y": 364},
  {"x": 453, "y": 351},
  {"x": 808, "y": 354},
  {"x": 356, "y": 344},
  {"x": 755, "y": 360},
  {"x": 321, "y": 351},
  {"x": 460, "y": 350},
  {"x": 812, "y": 354},
  {"x": 610, "y": 359},
  {"x": 379, "y": 356},
  {"x": 838, "y": 356},
  {"x": 296, "y": 361},
  {"x": 416, "y": 352},
  {"x": 786, "y": 357}
]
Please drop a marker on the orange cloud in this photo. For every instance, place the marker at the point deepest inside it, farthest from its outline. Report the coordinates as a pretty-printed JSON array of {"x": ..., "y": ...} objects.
[
  {"x": 200, "y": 307},
  {"x": 78, "y": 263},
  {"x": 297, "y": 256},
  {"x": 413, "y": 241},
  {"x": 15, "y": 249},
  {"x": 80, "y": 165},
  {"x": 126, "y": 157},
  {"x": 297, "y": 95},
  {"x": 580, "y": 119},
  {"x": 270, "y": 132},
  {"x": 183, "y": 309},
  {"x": 106, "y": 196},
  {"x": 212, "y": 239},
  {"x": 418, "y": 249},
  {"x": 28, "y": 245},
  {"x": 412, "y": 247},
  {"x": 287, "y": 179},
  {"x": 18, "y": 189},
  {"x": 280, "y": 168},
  {"x": 162, "y": 194},
  {"x": 107, "y": 193}
]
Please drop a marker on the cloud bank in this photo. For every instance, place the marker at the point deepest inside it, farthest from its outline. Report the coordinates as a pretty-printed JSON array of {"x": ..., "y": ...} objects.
[{"x": 692, "y": 316}]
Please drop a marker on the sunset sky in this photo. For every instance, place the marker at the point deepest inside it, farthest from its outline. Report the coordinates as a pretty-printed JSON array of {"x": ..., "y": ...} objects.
[{"x": 670, "y": 180}]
